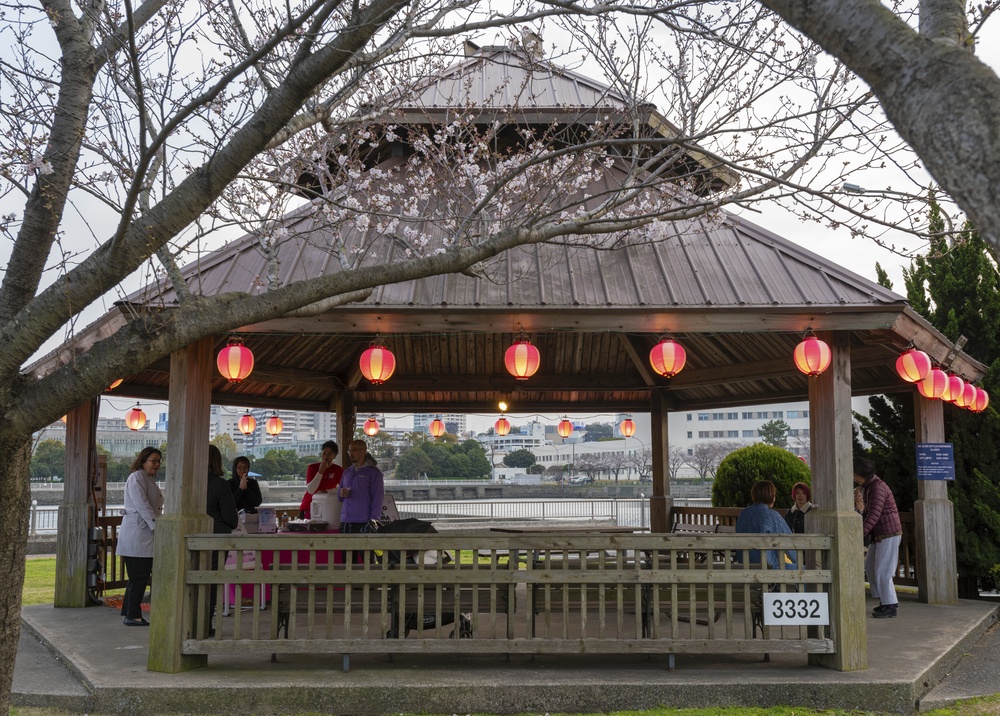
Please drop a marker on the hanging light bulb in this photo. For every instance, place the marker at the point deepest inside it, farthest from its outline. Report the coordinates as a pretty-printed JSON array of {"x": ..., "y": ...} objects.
[
  {"x": 371, "y": 426},
  {"x": 247, "y": 424},
  {"x": 135, "y": 418}
]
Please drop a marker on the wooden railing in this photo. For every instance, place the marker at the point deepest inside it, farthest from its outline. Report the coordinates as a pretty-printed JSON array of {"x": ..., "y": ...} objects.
[
  {"x": 906, "y": 570},
  {"x": 501, "y": 594}
]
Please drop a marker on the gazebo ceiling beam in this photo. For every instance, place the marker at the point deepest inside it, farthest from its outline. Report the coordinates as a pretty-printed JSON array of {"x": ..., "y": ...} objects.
[{"x": 459, "y": 320}]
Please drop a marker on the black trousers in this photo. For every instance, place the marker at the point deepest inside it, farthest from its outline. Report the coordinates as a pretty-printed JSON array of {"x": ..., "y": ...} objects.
[
  {"x": 347, "y": 528},
  {"x": 139, "y": 570}
]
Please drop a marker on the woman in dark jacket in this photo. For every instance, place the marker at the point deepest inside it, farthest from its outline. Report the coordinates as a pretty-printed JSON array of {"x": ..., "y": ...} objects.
[
  {"x": 246, "y": 490},
  {"x": 222, "y": 509},
  {"x": 796, "y": 515}
]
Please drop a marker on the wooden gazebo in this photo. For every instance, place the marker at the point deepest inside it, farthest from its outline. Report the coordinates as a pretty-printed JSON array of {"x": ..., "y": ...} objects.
[{"x": 737, "y": 297}]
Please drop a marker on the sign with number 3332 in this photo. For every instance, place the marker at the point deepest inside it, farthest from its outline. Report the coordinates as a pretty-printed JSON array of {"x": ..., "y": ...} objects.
[{"x": 791, "y": 608}]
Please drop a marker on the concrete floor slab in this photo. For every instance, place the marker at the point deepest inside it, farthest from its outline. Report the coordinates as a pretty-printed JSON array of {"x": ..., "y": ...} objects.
[{"x": 909, "y": 656}]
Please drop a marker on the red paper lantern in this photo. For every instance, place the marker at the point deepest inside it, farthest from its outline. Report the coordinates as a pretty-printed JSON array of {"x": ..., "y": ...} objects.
[
  {"x": 377, "y": 364},
  {"x": 371, "y": 426},
  {"x": 115, "y": 384},
  {"x": 564, "y": 428},
  {"x": 135, "y": 418},
  {"x": 982, "y": 400},
  {"x": 235, "y": 361},
  {"x": 812, "y": 356},
  {"x": 274, "y": 425},
  {"x": 627, "y": 427},
  {"x": 522, "y": 359},
  {"x": 247, "y": 424},
  {"x": 968, "y": 397},
  {"x": 956, "y": 386},
  {"x": 913, "y": 365},
  {"x": 934, "y": 385},
  {"x": 436, "y": 428},
  {"x": 502, "y": 426},
  {"x": 668, "y": 358}
]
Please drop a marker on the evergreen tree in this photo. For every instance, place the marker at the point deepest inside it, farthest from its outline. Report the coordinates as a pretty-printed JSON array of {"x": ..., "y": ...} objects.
[
  {"x": 774, "y": 432},
  {"x": 956, "y": 286}
]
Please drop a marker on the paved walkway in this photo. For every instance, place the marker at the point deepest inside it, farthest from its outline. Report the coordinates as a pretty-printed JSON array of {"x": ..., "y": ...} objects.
[{"x": 85, "y": 660}]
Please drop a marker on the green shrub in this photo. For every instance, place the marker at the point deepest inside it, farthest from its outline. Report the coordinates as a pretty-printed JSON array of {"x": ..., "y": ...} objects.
[{"x": 740, "y": 469}]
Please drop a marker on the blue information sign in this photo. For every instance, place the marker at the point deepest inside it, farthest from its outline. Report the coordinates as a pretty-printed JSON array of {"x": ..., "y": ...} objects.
[{"x": 935, "y": 461}]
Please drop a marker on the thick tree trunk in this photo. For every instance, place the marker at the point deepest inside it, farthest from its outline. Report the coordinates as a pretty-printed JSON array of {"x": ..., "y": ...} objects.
[
  {"x": 15, "y": 502},
  {"x": 941, "y": 99}
]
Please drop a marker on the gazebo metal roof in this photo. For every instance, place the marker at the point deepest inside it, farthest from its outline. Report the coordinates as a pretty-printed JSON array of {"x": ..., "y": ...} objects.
[{"x": 737, "y": 296}]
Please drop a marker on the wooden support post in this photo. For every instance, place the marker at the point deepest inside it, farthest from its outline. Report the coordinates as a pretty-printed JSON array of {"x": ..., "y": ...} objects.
[
  {"x": 74, "y": 512},
  {"x": 831, "y": 458},
  {"x": 345, "y": 424},
  {"x": 660, "y": 501},
  {"x": 173, "y": 618},
  {"x": 934, "y": 517}
]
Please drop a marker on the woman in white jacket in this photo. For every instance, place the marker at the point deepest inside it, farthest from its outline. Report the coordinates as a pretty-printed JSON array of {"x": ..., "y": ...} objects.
[{"x": 143, "y": 504}]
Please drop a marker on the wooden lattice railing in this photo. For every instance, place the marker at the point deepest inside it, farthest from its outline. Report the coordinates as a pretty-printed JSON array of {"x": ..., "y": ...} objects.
[{"x": 502, "y": 594}]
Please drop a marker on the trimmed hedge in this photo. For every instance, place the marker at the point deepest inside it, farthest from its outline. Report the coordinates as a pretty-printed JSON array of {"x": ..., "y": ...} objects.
[{"x": 740, "y": 469}]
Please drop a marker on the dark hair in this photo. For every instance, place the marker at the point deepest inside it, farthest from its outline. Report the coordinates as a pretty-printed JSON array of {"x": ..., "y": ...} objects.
[
  {"x": 215, "y": 461},
  {"x": 143, "y": 456},
  {"x": 237, "y": 461},
  {"x": 805, "y": 488},
  {"x": 332, "y": 445},
  {"x": 763, "y": 492},
  {"x": 864, "y": 468}
]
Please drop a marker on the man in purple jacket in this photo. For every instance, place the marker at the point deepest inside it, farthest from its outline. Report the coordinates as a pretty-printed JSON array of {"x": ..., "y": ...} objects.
[
  {"x": 362, "y": 490},
  {"x": 882, "y": 525}
]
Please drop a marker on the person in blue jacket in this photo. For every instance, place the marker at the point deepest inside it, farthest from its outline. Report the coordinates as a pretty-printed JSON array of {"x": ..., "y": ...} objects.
[{"x": 759, "y": 518}]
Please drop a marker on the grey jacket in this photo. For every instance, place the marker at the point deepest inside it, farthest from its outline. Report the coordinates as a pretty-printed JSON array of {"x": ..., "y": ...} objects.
[{"x": 143, "y": 504}]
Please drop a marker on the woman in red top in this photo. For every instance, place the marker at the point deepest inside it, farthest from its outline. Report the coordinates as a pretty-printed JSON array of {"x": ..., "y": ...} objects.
[{"x": 321, "y": 476}]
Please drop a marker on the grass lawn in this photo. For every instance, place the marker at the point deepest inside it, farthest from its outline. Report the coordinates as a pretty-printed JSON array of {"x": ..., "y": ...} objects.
[{"x": 39, "y": 581}]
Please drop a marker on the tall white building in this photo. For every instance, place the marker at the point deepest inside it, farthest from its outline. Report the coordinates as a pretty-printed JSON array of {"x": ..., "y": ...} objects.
[{"x": 453, "y": 423}]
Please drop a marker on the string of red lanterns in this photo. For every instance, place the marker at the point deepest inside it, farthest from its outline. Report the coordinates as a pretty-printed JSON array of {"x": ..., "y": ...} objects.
[
  {"x": 235, "y": 361},
  {"x": 135, "y": 418},
  {"x": 371, "y": 426},
  {"x": 915, "y": 366}
]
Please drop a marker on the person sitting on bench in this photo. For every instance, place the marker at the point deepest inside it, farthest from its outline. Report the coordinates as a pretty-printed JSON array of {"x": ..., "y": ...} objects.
[{"x": 759, "y": 518}]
